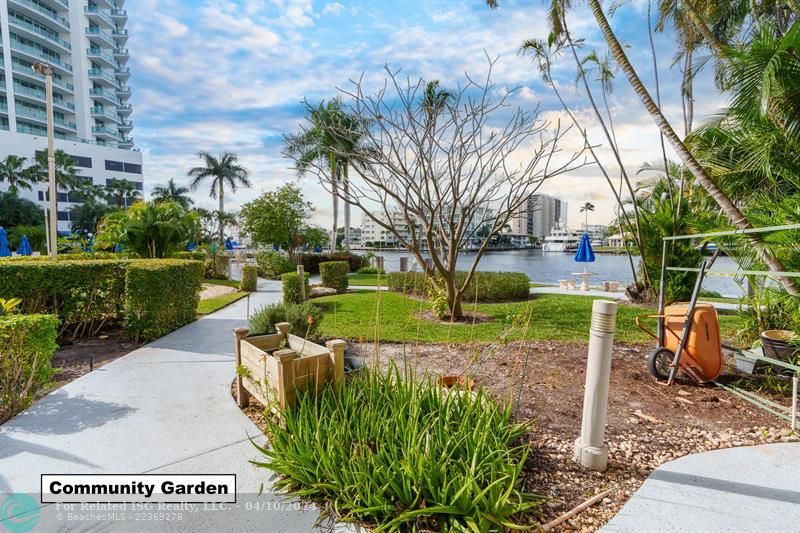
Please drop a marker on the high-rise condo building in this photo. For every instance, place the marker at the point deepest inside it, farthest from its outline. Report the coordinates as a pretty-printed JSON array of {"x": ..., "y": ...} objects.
[{"x": 84, "y": 42}]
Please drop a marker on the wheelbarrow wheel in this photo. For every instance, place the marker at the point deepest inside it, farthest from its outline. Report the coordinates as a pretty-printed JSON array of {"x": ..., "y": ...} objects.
[{"x": 659, "y": 363}]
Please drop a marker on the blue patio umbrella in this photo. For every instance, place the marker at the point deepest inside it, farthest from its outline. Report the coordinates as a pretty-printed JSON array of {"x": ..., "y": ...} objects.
[
  {"x": 228, "y": 244},
  {"x": 4, "y": 250},
  {"x": 24, "y": 246},
  {"x": 117, "y": 248},
  {"x": 317, "y": 248},
  {"x": 191, "y": 246},
  {"x": 585, "y": 254},
  {"x": 275, "y": 247}
]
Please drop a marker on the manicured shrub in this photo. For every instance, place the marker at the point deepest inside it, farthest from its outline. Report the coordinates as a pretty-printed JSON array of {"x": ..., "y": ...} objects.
[
  {"x": 311, "y": 262},
  {"x": 371, "y": 270},
  {"x": 84, "y": 295},
  {"x": 217, "y": 266},
  {"x": 195, "y": 255},
  {"x": 272, "y": 264},
  {"x": 263, "y": 320},
  {"x": 249, "y": 278},
  {"x": 27, "y": 343},
  {"x": 291, "y": 288},
  {"x": 148, "y": 313},
  {"x": 491, "y": 286},
  {"x": 334, "y": 275},
  {"x": 403, "y": 454}
]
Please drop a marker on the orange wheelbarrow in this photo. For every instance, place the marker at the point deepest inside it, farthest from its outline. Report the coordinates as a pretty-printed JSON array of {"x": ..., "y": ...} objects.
[{"x": 688, "y": 338}]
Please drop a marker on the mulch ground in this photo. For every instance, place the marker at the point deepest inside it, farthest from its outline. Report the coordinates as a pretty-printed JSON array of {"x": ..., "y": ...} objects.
[
  {"x": 73, "y": 359},
  {"x": 648, "y": 423}
]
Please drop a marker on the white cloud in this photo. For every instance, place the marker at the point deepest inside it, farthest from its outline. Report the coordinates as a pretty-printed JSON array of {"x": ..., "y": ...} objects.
[{"x": 334, "y": 8}]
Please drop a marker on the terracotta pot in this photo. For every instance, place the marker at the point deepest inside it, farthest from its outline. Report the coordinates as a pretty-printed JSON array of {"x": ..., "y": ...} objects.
[{"x": 457, "y": 382}]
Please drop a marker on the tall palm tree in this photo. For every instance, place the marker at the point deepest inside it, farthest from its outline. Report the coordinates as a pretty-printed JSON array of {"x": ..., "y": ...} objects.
[
  {"x": 731, "y": 211},
  {"x": 586, "y": 208},
  {"x": 172, "y": 192},
  {"x": 12, "y": 171},
  {"x": 67, "y": 176},
  {"x": 223, "y": 171},
  {"x": 121, "y": 192}
]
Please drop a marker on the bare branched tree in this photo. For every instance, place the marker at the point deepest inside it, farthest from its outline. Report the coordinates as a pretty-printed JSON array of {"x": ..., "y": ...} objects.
[{"x": 435, "y": 166}]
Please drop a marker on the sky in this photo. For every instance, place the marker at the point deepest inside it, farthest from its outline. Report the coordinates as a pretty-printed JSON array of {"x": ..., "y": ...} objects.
[{"x": 219, "y": 75}]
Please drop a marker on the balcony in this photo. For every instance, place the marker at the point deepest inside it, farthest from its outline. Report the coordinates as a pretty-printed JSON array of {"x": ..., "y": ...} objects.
[
  {"x": 38, "y": 55},
  {"x": 101, "y": 57},
  {"x": 122, "y": 74},
  {"x": 124, "y": 109},
  {"x": 105, "y": 96},
  {"x": 119, "y": 15},
  {"x": 41, "y": 116},
  {"x": 27, "y": 72},
  {"x": 105, "y": 133},
  {"x": 103, "y": 78},
  {"x": 124, "y": 91},
  {"x": 40, "y": 35},
  {"x": 98, "y": 35},
  {"x": 103, "y": 113},
  {"x": 39, "y": 97},
  {"x": 95, "y": 14},
  {"x": 125, "y": 126},
  {"x": 121, "y": 54},
  {"x": 125, "y": 142},
  {"x": 37, "y": 12},
  {"x": 121, "y": 35}
]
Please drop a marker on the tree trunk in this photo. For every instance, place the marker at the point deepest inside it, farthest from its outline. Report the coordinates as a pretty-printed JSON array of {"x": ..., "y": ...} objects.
[
  {"x": 453, "y": 297},
  {"x": 346, "y": 187},
  {"x": 219, "y": 214},
  {"x": 735, "y": 216},
  {"x": 335, "y": 226},
  {"x": 711, "y": 40},
  {"x": 688, "y": 85}
]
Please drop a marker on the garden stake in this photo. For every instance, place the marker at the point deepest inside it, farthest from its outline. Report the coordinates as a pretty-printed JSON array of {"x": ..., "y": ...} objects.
[{"x": 589, "y": 448}]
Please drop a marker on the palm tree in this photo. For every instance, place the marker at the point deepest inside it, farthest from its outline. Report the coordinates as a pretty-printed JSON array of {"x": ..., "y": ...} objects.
[
  {"x": 223, "y": 171},
  {"x": 586, "y": 208},
  {"x": 12, "y": 171},
  {"x": 121, "y": 192},
  {"x": 172, "y": 192},
  {"x": 67, "y": 176}
]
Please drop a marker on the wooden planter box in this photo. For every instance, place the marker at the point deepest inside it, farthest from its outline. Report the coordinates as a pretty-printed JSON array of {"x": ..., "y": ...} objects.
[{"x": 274, "y": 368}]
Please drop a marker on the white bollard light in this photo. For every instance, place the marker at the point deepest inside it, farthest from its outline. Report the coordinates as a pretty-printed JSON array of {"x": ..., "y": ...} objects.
[{"x": 590, "y": 450}]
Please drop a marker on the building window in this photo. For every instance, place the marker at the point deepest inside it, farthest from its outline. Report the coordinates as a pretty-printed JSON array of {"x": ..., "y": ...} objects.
[
  {"x": 63, "y": 215},
  {"x": 115, "y": 165},
  {"x": 139, "y": 185},
  {"x": 133, "y": 168},
  {"x": 83, "y": 162}
]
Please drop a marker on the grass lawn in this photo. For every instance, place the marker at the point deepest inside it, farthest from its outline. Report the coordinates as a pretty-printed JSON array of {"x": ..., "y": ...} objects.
[
  {"x": 226, "y": 282},
  {"x": 366, "y": 280},
  {"x": 552, "y": 317},
  {"x": 216, "y": 303}
]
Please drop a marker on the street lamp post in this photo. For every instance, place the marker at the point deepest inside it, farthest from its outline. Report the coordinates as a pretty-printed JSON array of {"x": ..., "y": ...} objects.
[{"x": 45, "y": 70}]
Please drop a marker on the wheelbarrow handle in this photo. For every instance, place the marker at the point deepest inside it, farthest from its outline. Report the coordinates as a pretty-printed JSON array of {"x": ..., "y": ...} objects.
[{"x": 647, "y": 331}]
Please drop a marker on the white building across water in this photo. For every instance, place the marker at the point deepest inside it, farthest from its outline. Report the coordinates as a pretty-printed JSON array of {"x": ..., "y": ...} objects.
[{"x": 84, "y": 42}]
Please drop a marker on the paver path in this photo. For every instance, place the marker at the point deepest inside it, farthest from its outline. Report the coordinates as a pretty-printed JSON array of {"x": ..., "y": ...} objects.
[
  {"x": 751, "y": 489},
  {"x": 164, "y": 408}
]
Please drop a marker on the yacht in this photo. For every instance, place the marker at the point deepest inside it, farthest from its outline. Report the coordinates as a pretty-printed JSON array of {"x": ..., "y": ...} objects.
[{"x": 561, "y": 239}]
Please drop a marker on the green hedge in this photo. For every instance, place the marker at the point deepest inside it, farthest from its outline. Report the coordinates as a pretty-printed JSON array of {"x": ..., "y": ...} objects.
[
  {"x": 249, "y": 280},
  {"x": 311, "y": 262},
  {"x": 27, "y": 343},
  {"x": 291, "y": 288},
  {"x": 491, "y": 286},
  {"x": 148, "y": 314},
  {"x": 263, "y": 320},
  {"x": 196, "y": 255},
  {"x": 334, "y": 275},
  {"x": 272, "y": 264},
  {"x": 85, "y": 295}
]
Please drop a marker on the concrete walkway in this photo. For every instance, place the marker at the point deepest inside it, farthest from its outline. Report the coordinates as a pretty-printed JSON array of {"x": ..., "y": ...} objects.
[
  {"x": 751, "y": 489},
  {"x": 164, "y": 408}
]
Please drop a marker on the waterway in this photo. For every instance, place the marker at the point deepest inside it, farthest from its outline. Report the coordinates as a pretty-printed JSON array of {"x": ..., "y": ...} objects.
[{"x": 550, "y": 267}]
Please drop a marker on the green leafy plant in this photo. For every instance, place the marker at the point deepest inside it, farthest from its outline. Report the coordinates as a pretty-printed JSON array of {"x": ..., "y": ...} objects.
[
  {"x": 9, "y": 306},
  {"x": 371, "y": 270},
  {"x": 291, "y": 288},
  {"x": 27, "y": 344},
  {"x": 148, "y": 314},
  {"x": 334, "y": 275},
  {"x": 264, "y": 318},
  {"x": 489, "y": 286},
  {"x": 311, "y": 262},
  {"x": 249, "y": 278},
  {"x": 272, "y": 264},
  {"x": 437, "y": 297},
  {"x": 403, "y": 454}
]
